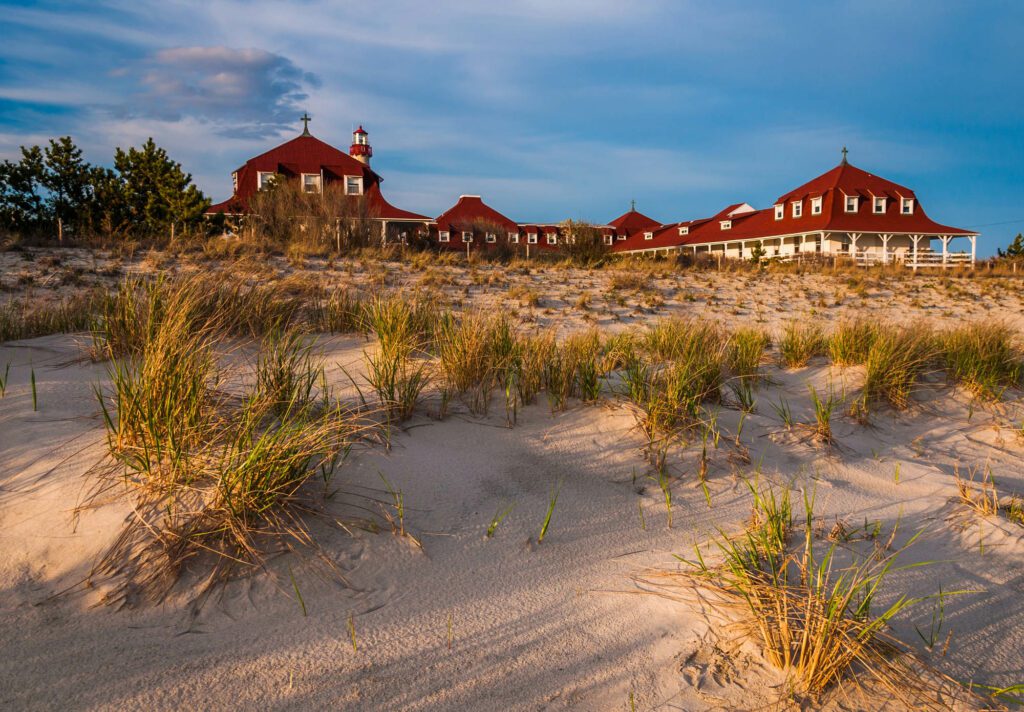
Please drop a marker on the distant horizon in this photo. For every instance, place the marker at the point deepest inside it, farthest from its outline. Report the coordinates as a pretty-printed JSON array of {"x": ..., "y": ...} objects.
[{"x": 680, "y": 107}]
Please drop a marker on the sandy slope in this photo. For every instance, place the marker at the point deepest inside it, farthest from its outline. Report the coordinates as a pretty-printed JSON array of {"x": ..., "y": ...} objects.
[{"x": 556, "y": 626}]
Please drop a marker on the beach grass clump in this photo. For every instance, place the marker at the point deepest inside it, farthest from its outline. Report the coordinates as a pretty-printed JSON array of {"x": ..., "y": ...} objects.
[
  {"x": 800, "y": 342},
  {"x": 850, "y": 342},
  {"x": 811, "y": 614},
  {"x": 397, "y": 369},
  {"x": 746, "y": 352},
  {"x": 339, "y": 312},
  {"x": 980, "y": 497},
  {"x": 895, "y": 363},
  {"x": 27, "y": 319},
  {"x": 216, "y": 476},
  {"x": 824, "y": 408},
  {"x": 984, "y": 357}
]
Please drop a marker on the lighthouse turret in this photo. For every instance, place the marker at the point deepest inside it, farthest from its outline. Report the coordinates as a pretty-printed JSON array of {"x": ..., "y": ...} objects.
[{"x": 360, "y": 148}]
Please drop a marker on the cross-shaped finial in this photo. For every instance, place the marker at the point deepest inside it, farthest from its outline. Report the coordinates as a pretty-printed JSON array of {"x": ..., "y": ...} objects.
[
  {"x": 844, "y": 155},
  {"x": 305, "y": 119},
  {"x": 632, "y": 206}
]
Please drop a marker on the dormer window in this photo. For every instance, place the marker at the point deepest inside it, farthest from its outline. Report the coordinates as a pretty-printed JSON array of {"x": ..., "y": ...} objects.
[
  {"x": 513, "y": 237},
  {"x": 353, "y": 185},
  {"x": 879, "y": 205},
  {"x": 726, "y": 224},
  {"x": 648, "y": 235},
  {"x": 852, "y": 203},
  {"x": 443, "y": 236},
  {"x": 491, "y": 237},
  {"x": 780, "y": 211},
  {"x": 531, "y": 238},
  {"x": 684, "y": 230},
  {"x": 467, "y": 236},
  {"x": 815, "y": 206},
  {"x": 264, "y": 179},
  {"x": 907, "y": 206},
  {"x": 310, "y": 182},
  {"x": 552, "y": 238},
  {"x": 620, "y": 237},
  {"x": 608, "y": 239},
  {"x": 798, "y": 208}
]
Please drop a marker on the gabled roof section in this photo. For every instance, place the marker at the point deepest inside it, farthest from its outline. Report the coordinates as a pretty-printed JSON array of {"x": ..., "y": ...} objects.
[
  {"x": 632, "y": 222},
  {"x": 305, "y": 153},
  {"x": 849, "y": 180},
  {"x": 471, "y": 210}
]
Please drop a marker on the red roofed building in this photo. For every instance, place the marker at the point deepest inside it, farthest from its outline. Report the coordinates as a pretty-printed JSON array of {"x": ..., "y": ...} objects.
[
  {"x": 316, "y": 165},
  {"x": 846, "y": 211},
  {"x": 632, "y": 230},
  {"x": 471, "y": 222}
]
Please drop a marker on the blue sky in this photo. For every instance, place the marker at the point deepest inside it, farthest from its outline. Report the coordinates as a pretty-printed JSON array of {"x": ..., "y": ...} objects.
[{"x": 548, "y": 108}]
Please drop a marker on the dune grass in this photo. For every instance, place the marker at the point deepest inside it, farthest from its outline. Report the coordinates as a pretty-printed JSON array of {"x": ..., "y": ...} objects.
[
  {"x": 812, "y": 614},
  {"x": 980, "y": 497},
  {"x": 895, "y": 362},
  {"x": 851, "y": 341},
  {"x": 800, "y": 342},
  {"x": 985, "y": 357},
  {"x": 26, "y": 319}
]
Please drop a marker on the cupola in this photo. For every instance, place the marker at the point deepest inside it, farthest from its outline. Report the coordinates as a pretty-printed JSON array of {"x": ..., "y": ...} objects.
[{"x": 360, "y": 148}]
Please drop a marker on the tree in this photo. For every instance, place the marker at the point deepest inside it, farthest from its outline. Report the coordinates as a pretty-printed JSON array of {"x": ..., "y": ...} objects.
[
  {"x": 68, "y": 182},
  {"x": 22, "y": 205},
  {"x": 158, "y": 195},
  {"x": 1016, "y": 248}
]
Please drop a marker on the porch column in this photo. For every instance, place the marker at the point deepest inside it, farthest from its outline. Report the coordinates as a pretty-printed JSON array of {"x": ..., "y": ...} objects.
[
  {"x": 945, "y": 249},
  {"x": 854, "y": 236},
  {"x": 974, "y": 248},
  {"x": 384, "y": 232},
  {"x": 885, "y": 248},
  {"x": 915, "y": 239}
]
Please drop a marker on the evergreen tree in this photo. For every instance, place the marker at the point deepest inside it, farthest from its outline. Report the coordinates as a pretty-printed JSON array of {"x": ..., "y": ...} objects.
[
  {"x": 1016, "y": 248},
  {"x": 158, "y": 195},
  {"x": 68, "y": 182},
  {"x": 22, "y": 206}
]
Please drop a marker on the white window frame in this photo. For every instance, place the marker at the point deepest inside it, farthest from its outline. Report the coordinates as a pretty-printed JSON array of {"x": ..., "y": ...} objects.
[
  {"x": 907, "y": 206},
  {"x": 780, "y": 211},
  {"x": 684, "y": 230},
  {"x": 798, "y": 208},
  {"x": 359, "y": 184},
  {"x": 851, "y": 204},
  {"x": 234, "y": 182},
  {"x": 467, "y": 235},
  {"x": 531, "y": 238},
  {"x": 263, "y": 179},
  {"x": 316, "y": 182},
  {"x": 552, "y": 238},
  {"x": 648, "y": 235},
  {"x": 490, "y": 237},
  {"x": 513, "y": 237},
  {"x": 620, "y": 237},
  {"x": 725, "y": 224},
  {"x": 816, "y": 206},
  {"x": 609, "y": 239},
  {"x": 444, "y": 236},
  {"x": 876, "y": 203}
]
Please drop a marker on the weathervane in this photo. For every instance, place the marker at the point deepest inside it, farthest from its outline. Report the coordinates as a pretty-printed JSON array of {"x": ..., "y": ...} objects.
[{"x": 305, "y": 119}]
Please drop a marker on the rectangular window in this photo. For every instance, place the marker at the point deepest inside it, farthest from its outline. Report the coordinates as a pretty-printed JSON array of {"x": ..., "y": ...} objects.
[
  {"x": 353, "y": 185},
  {"x": 443, "y": 236},
  {"x": 879, "y": 205},
  {"x": 852, "y": 203},
  {"x": 467, "y": 236},
  {"x": 726, "y": 224},
  {"x": 907, "y": 206},
  {"x": 815, "y": 206},
  {"x": 531, "y": 238},
  {"x": 310, "y": 183},
  {"x": 608, "y": 239},
  {"x": 684, "y": 230},
  {"x": 648, "y": 235},
  {"x": 620, "y": 237},
  {"x": 234, "y": 182},
  {"x": 491, "y": 237},
  {"x": 513, "y": 237},
  {"x": 264, "y": 179},
  {"x": 552, "y": 238},
  {"x": 780, "y": 212},
  {"x": 798, "y": 208}
]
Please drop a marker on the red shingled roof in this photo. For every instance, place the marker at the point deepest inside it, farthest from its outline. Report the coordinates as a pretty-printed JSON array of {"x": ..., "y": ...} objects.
[{"x": 632, "y": 222}]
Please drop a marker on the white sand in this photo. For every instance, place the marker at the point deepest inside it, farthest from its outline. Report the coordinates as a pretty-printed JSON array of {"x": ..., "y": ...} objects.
[{"x": 561, "y": 625}]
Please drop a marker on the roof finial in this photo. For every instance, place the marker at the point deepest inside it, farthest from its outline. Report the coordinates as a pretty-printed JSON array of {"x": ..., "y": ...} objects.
[
  {"x": 305, "y": 119},
  {"x": 632, "y": 206},
  {"x": 844, "y": 155}
]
